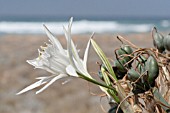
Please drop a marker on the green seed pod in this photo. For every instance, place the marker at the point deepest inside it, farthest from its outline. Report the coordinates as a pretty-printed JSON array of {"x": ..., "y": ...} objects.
[
  {"x": 132, "y": 75},
  {"x": 119, "y": 65},
  {"x": 114, "y": 108},
  {"x": 166, "y": 42},
  {"x": 141, "y": 68},
  {"x": 100, "y": 75},
  {"x": 125, "y": 49},
  {"x": 142, "y": 59},
  {"x": 119, "y": 69},
  {"x": 141, "y": 64},
  {"x": 158, "y": 40},
  {"x": 118, "y": 73},
  {"x": 100, "y": 72},
  {"x": 137, "y": 90},
  {"x": 140, "y": 88},
  {"x": 153, "y": 69},
  {"x": 168, "y": 111},
  {"x": 103, "y": 66}
]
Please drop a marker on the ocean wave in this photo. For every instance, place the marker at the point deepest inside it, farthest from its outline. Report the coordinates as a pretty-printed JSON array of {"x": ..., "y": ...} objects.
[
  {"x": 79, "y": 27},
  {"x": 165, "y": 23}
]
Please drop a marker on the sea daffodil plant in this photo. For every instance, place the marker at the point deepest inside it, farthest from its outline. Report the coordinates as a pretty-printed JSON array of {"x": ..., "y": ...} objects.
[{"x": 125, "y": 82}]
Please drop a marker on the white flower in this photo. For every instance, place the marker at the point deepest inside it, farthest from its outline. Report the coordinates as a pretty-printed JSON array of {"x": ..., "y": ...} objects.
[{"x": 58, "y": 61}]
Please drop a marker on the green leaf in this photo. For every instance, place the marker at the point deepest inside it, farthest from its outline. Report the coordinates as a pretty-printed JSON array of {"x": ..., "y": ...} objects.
[
  {"x": 159, "y": 98},
  {"x": 108, "y": 82},
  {"x": 85, "y": 77},
  {"x": 104, "y": 59},
  {"x": 105, "y": 76}
]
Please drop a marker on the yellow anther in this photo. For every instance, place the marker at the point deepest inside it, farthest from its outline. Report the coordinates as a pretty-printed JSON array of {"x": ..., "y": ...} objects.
[
  {"x": 43, "y": 48},
  {"x": 40, "y": 53}
]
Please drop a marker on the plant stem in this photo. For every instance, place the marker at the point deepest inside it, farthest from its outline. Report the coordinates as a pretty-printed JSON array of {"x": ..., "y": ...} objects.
[
  {"x": 101, "y": 84},
  {"x": 125, "y": 106}
]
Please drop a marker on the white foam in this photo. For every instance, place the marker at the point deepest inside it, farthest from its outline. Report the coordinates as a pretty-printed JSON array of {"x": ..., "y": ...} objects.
[
  {"x": 79, "y": 27},
  {"x": 165, "y": 23}
]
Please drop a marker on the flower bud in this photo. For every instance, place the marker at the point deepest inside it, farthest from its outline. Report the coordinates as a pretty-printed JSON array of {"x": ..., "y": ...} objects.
[
  {"x": 166, "y": 42},
  {"x": 153, "y": 69},
  {"x": 158, "y": 40}
]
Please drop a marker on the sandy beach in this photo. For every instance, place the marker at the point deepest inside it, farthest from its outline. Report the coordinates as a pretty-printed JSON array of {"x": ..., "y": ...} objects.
[{"x": 72, "y": 97}]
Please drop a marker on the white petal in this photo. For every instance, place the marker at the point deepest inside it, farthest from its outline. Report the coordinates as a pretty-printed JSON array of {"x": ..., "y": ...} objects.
[
  {"x": 35, "y": 85},
  {"x": 62, "y": 60},
  {"x": 39, "y": 64},
  {"x": 39, "y": 78},
  {"x": 73, "y": 54},
  {"x": 52, "y": 81},
  {"x": 54, "y": 40},
  {"x": 69, "y": 48},
  {"x": 74, "y": 50},
  {"x": 65, "y": 82},
  {"x": 65, "y": 33},
  {"x": 71, "y": 71},
  {"x": 53, "y": 64},
  {"x": 35, "y": 62},
  {"x": 79, "y": 66},
  {"x": 86, "y": 55},
  {"x": 70, "y": 43},
  {"x": 70, "y": 24},
  {"x": 48, "y": 69}
]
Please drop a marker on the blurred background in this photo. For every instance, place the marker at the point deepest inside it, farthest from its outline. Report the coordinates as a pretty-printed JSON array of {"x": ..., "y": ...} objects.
[{"x": 21, "y": 34}]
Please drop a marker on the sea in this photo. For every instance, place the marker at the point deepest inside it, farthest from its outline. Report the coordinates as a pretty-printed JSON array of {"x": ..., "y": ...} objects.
[{"x": 13, "y": 25}]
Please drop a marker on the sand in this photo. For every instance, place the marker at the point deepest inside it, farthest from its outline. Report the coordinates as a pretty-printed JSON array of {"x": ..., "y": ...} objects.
[{"x": 73, "y": 97}]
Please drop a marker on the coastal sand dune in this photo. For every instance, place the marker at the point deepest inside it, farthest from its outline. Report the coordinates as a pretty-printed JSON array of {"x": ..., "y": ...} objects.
[{"x": 73, "y": 97}]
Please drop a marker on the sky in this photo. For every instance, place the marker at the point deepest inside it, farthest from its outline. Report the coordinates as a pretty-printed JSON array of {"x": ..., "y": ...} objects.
[{"x": 85, "y": 8}]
